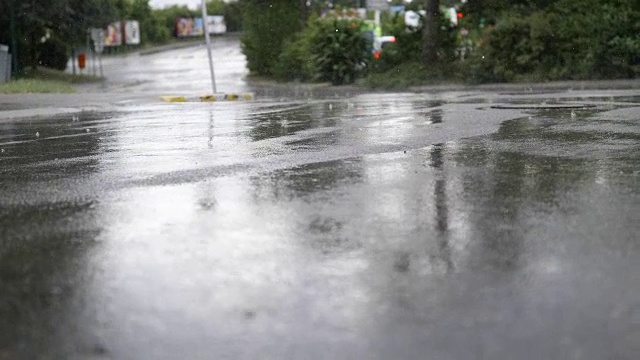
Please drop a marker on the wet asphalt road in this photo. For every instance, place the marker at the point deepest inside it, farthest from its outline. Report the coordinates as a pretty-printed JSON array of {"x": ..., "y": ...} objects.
[{"x": 367, "y": 226}]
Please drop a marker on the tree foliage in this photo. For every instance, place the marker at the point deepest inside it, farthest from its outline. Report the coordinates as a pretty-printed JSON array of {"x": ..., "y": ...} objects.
[
  {"x": 566, "y": 40},
  {"x": 39, "y": 21},
  {"x": 267, "y": 25},
  {"x": 48, "y": 30}
]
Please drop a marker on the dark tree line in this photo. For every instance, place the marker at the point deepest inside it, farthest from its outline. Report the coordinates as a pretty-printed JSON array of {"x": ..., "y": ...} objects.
[{"x": 26, "y": 25}]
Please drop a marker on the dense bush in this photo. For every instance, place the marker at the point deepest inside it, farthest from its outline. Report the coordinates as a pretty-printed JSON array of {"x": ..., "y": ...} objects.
[
  {"x": 497, "y": 41},
  {"x": 329, "y": 49},
  {"x": 267, "y": 25},
  {"x": 569, "y": 40},
  {"x": 406, "y": 49},
  {"x": 339, "y": 50},
  {"x": 295, "y": 63},
  {"x": 53, "y": 53},
  {"x": 408, "y": 46}
]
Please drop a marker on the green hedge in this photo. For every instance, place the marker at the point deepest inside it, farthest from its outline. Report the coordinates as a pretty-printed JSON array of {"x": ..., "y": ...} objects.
[
  {"x": 53, "y": 53},
  {"x": 339, "y": 50},
  {"x": 329, "y": 49},
  {"x": 267, "y": 25},
  {"x": 589, "y": 39}
]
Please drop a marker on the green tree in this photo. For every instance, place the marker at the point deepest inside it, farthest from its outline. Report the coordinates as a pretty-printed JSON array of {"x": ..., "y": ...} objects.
[
  {"x": 267, "y": 25},
  {"x": 41, "y": 21},
  {"x": 152, "y": 28}
]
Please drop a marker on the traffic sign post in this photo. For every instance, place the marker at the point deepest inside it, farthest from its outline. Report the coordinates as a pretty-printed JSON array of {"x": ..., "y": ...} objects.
[{"x": 98, "y": 36}]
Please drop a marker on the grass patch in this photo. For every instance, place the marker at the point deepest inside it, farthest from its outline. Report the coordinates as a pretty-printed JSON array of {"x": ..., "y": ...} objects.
[
  {"x": 26, "y": 86},
  {"x": 42, "y": 80},
  {"x": 59, "y": 76},
  {"x": 414, "y": 74}
]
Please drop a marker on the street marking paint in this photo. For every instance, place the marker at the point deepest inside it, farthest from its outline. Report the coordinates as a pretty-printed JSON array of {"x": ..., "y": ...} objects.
[
  {"x": 209, "y": 98},
  {"x": 174, "y": 98}
]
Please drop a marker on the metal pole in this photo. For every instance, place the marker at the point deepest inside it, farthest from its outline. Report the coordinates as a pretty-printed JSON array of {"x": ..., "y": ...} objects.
[
  {"x": 206, "y": 36},
  {"x": 100, "y": 62}
]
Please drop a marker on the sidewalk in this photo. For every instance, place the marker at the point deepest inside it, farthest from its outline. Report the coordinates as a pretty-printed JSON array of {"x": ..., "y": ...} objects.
[{"x": 626, "y": 84}]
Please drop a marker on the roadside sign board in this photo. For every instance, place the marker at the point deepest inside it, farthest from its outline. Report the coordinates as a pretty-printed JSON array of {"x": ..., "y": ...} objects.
[
  {"x": 114, "y": 34},
  {"x": 380, "y": 5},
  {"x": 98, "y": 37},
  {"x": 132, "y": 32}
]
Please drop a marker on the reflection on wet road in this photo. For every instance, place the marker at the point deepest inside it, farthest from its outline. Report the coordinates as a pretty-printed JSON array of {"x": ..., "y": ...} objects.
[{"x": 376, "y": 226}]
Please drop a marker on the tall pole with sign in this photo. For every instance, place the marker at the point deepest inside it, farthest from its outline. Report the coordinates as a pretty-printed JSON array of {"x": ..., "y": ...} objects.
[
  {"x": 208, "y": 39},
  {"x": 98, "y": 37}
]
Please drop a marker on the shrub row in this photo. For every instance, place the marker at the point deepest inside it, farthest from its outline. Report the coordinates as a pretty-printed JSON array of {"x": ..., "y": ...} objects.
[
  {"x": 562, "y": 40},
  {"x": 590, "y": 39},
  {"x": 330, "y": 49}
]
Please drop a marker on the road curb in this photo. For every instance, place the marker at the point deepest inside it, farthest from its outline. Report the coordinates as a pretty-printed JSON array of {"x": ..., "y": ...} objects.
[{"x": 209, "y": 98}]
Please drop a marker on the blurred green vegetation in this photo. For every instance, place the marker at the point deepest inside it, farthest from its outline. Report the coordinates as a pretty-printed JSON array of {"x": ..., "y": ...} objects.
[
  {"x": 328, "y": 49},
  {"x": 268, "y": 25},
  {"x": 46, "y": 80},
  {"x": 494, "y": 41},
  {"x": 568, "y": 39},
  {"x": 29, "y": 86}
]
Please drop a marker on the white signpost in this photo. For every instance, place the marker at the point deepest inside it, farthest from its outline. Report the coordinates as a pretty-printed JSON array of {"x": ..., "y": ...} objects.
[{"x": 98, "y": 37}]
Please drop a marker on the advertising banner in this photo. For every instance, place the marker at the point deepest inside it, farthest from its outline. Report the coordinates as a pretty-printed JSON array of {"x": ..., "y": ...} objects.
[
  {"x": 114, "y": 35},
  {"x": 216, "y": 24},
  {"x": 187, "y": 27},
  {"x": 132, "y": 32}
]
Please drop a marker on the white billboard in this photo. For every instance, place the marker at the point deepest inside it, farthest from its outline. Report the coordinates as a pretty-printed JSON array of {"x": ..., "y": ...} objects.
[
  {"x": 132, "y": 32},
  {"x": 216, "y": 24}
]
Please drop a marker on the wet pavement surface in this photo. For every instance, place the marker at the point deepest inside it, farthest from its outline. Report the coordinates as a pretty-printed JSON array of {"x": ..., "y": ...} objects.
[
  {"x": 183, "y": 70},
  {"x": 377, "y": 226}
]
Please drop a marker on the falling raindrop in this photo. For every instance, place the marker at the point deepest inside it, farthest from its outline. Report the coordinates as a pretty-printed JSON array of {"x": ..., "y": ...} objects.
[{"x": 330, "y": 106}]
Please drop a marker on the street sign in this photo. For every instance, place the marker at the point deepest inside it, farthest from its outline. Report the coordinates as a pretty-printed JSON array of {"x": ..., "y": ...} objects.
[
  {"x": 98, "y": 36},
  {"x": 379, "y": 5}
]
